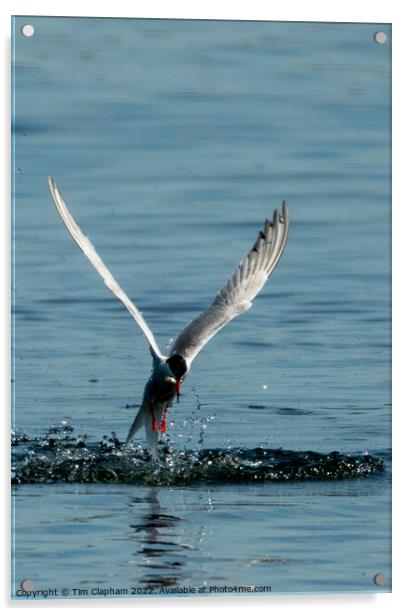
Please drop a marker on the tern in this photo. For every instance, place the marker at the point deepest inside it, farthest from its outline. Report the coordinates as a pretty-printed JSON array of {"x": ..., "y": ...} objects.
[{"x": 233, "y": 299}]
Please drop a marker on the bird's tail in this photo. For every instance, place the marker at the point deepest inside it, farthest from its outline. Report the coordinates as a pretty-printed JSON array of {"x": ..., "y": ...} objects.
[
  {"x": 138, "y": 422},
  {"x": 150, "y": 418}
]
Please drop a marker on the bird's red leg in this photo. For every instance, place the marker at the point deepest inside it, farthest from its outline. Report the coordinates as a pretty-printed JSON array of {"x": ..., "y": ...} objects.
[{"x": 163, "y": 422}]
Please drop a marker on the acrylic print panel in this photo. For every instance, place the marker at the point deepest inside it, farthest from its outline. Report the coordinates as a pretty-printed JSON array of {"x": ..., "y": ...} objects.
[{"x": 171, "y": 143}]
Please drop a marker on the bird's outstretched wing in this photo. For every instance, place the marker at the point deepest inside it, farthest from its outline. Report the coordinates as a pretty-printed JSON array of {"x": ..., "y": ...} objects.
[
  {"x": 91, "y": 254},
  {"x": 235, "y": 297}
]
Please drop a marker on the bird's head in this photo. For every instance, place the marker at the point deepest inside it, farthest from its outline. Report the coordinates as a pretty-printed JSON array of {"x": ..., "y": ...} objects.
[{"x": 178, "y": 366}]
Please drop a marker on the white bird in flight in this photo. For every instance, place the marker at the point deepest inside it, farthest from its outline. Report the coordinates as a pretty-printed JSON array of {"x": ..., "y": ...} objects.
[{"x": 234, "y": 298}]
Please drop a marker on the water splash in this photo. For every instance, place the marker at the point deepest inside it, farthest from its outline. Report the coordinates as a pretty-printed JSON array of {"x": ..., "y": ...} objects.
[{"x": 61, "y": 455}]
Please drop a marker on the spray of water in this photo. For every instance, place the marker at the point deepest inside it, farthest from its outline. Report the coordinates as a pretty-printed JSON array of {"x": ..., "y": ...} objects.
[{"x": 60, "y": 455}]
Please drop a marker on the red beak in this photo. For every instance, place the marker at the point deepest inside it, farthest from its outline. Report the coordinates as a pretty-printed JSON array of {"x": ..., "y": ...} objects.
[{"x": 178, "y": 386}]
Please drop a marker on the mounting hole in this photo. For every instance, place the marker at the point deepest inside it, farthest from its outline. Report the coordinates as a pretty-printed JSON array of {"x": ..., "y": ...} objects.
[
  {"x": 27, "y": 30},
  {"x": 380, "y": 37},
  {"x": 27, "y": 585},
  {"x": 380, "y": 579}
]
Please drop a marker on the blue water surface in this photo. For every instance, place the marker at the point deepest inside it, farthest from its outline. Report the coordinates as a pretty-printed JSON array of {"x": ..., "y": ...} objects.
[{"x": 172, "y": 141}]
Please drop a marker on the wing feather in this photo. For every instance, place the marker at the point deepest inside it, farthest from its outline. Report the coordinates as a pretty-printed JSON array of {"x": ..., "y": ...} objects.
[
  {"x": 236, "y": 296},
  {"x": 89, "y": 251}
]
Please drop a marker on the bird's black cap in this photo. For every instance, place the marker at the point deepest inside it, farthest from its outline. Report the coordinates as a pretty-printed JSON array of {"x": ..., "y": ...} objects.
[{"x": 178, "y": 365}]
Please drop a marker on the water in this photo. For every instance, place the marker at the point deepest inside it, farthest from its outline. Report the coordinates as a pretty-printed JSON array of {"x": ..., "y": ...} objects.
[{"x": 172, "y": 142}]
